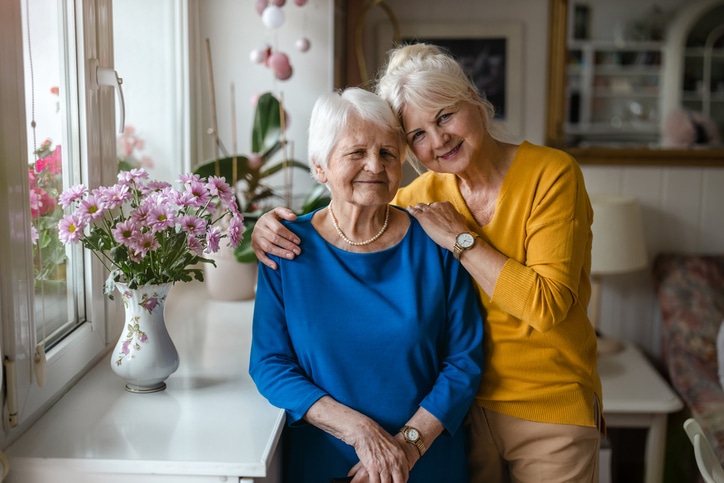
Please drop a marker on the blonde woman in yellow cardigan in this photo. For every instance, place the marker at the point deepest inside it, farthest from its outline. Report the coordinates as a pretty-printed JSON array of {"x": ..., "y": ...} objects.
[{"x": 518, "y": 218}]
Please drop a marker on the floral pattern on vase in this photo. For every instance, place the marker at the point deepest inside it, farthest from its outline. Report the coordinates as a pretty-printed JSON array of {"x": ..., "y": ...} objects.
[{"x": 145, "y": 355}]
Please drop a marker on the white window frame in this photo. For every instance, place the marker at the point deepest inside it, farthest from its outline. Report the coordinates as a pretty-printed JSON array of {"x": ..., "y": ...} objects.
[{"x": 71, "y": 358}]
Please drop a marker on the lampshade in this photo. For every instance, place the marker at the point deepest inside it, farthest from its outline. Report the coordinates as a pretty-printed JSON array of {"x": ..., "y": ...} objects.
[{"x": 618, "y": 237}]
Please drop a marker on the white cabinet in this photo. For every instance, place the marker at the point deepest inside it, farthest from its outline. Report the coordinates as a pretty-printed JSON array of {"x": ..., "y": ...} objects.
[
  {"x": 703, "y": 71},
  {"x": 695, "y": 61},
  {"x": 613, "y": 92}
]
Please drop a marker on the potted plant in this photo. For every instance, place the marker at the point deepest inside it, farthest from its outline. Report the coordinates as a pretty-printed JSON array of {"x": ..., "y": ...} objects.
[
  {"x": 148, "y": 236},
  {"x": 248, "y": 175}
]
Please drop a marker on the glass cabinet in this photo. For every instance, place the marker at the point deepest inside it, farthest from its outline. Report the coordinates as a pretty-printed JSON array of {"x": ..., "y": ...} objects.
[{"x": 613, "y": 91}]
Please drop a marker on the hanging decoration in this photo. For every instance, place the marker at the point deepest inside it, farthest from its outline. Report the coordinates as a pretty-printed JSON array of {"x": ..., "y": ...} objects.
[{"x": 273, "y": 17}]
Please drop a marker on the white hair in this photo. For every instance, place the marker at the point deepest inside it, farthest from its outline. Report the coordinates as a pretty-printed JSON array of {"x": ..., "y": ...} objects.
[{"x": 332, "y": 112}]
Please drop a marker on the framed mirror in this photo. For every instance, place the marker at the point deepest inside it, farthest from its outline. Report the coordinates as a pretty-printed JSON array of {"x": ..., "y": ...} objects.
[{"x": 566, "y": 124}]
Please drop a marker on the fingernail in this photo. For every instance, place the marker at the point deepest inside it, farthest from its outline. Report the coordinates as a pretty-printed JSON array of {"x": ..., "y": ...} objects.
[{"x": 290, "y": 256}]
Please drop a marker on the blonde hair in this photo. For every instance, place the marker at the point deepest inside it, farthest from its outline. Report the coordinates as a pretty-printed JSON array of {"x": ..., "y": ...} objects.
[{"x": 426, "y": 77}]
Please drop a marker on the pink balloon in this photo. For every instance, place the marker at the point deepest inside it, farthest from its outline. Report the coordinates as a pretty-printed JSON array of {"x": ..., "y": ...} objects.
[
  {"x": 283, "y": 74},
  {"x": 300, "y": 3},
  {"x": 261, "y": 5},
  {"x": 303, "y": 44},
  {"x": 278, "y": 61}
]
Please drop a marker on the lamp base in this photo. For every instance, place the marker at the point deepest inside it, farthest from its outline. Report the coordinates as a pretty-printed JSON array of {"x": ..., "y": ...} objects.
[{"x": 608, "y": 346}]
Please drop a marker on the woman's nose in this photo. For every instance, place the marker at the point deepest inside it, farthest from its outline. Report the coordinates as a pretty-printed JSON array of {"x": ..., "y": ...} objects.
[
  {"x": 374, "y": 164},
  {"x": 438, "y": 137}
]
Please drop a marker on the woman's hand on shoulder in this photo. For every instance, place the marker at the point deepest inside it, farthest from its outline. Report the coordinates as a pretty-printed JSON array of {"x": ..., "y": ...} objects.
[
  {"x": 271, "y": 237},
  {"x": 440, "y": 220}
]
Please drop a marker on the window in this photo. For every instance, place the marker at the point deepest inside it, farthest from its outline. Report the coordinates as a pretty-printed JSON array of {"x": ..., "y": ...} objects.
[
  {"x": 53, "y": 299},
  {"x": 45, "y": 301}
]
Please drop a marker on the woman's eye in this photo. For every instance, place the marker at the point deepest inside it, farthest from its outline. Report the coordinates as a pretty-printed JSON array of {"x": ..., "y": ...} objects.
[
  {"x": 444, "y": 117},
  {"x": 416, "y": 136},
  {"x": 388, "y": 154}
]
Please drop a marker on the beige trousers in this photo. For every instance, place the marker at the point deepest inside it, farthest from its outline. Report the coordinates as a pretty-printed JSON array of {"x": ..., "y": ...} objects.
[{"x": 507, "y": 449}]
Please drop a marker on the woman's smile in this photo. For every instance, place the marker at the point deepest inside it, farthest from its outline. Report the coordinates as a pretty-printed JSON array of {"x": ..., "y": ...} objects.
[{"x": 451, "y": 154}]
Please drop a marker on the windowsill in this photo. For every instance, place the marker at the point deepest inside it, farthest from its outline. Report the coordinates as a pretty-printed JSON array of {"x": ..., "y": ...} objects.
[{"x": 209, "y": 422}]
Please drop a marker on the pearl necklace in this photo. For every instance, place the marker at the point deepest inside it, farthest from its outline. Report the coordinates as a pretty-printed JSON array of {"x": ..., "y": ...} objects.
[{"x": 362, "y": 243}]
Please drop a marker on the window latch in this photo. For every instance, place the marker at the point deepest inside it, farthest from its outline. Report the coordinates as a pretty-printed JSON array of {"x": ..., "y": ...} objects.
[{"x": 109, "y": 77}]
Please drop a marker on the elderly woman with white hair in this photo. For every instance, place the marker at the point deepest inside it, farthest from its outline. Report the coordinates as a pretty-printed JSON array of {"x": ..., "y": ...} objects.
[{"x": 371, "y": 342}]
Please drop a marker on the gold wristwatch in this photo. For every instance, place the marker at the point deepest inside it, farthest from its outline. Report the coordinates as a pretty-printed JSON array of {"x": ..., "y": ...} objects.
[
  {"x": 463, "y": 241},
  {"x": 413, "y": 436}
]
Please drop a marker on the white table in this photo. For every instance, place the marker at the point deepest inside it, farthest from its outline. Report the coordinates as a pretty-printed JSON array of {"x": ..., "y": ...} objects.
[
  {"x": 209, "y": 425},
  {"x": 636, "y": 396}
]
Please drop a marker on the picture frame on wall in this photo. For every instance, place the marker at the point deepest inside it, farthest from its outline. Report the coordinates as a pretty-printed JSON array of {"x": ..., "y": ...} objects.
[{"x": 490, "y": 54}]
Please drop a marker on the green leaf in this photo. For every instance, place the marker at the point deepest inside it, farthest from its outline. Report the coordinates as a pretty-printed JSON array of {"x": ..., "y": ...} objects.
[
  {"x": 267, "y": 123},
  {"x": 226, "y": 168},
  {"x": 317, "y": 197}
]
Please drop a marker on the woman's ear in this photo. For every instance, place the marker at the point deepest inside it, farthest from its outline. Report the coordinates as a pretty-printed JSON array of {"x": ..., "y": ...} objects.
[{"x": 319, "y": 173}]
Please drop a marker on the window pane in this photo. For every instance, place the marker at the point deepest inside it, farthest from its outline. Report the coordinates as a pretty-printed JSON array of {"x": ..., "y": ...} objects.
[{"x": 50, "y": 155}]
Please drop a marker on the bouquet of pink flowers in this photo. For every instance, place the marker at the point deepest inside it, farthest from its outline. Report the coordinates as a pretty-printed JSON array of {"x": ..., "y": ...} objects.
[{"x": 146, "y": 232}]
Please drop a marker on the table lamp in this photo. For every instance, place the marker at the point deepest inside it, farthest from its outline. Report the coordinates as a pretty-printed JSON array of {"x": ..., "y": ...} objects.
[{"x": 618, "y": 247}]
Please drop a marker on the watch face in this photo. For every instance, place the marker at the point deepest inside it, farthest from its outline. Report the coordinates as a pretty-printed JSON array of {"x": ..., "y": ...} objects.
[
  {"x": 412, "y": 434},
  {"x": 465, "y": 240}
]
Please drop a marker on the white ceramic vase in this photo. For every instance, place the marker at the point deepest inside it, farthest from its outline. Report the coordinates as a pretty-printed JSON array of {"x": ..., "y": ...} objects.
[
  {"x": 145, "y": 355},
  {"x": 230, "y": 280}
]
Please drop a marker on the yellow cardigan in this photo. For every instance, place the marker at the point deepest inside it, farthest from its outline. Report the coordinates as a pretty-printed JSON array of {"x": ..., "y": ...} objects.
[{"x": 540, "y": 347}]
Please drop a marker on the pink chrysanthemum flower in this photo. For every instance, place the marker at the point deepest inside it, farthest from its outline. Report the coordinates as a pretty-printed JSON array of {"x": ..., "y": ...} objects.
[
  {"x": 192, "y": 224},
  {"x": 71, "y": 195},
  {"x": 116, "y": 195},
  {"x": 125, "y": 232},
  {"x": 188, "y": 178},
  {"x": 198, "y": 189},
  {"x": 184, "y": 199},
  {"x": 213, "y": 237},
  {"x": 90, "y": 209},
  {"x": 160, "y": 218},
  {"x": 133, "y": 176},
  {"x": 140, "y": 215},
  {"x": 236, "y": 231},
  {"x": 144, "y": 243},
  {"x": 195, "y": 245},
  {"x": 70, "y": 229},
  {"x": 218, "y": 186}
]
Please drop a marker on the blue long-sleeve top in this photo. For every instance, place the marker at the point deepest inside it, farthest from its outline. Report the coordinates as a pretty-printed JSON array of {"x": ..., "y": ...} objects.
[{"x": 382, "y": 332}]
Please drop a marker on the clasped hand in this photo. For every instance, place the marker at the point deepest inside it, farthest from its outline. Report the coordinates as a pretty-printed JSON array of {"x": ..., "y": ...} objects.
[{"x": 383, "y": 458}]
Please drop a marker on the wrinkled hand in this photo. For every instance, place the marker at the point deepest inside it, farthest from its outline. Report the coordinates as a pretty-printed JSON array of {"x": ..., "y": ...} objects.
[
  {"x": 271, "y": 237},
  {"x": 383, "y": 459},
  {"x": 440, "y": 220}
]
